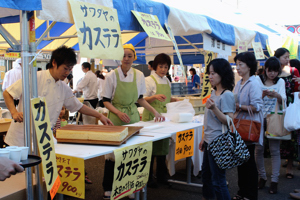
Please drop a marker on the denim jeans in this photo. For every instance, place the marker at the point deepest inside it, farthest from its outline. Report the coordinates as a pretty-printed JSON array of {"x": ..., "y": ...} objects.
[{"x": 213, "y": 178}]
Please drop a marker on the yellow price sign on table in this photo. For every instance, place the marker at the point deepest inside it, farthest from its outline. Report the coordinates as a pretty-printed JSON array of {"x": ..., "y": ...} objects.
[
  {"x": 151, "y": 25},
  {"x": 184, "y": 144},
  {"x": 98, "y": 30},
  {"x": 44, "y": 136},
  {"x": 131, "y": 169},
  {"x": 72, "y": 175}
]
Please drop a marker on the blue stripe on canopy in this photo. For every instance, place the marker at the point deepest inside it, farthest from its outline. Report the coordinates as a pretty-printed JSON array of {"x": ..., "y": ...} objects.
[
  {"x": 192, "y": 38},
  {"x": 13, "y": 19},
  {"x": 28, "y": 5},
  {"x": 76, "y": 47},
  {"x": 262, "y": 38},
  {"x": 221, "y": 31},
  {"x": 137, "y": 41},
  {"x": 128, "y": 21},
  {"x": 189, "y": 59},
  {"x": 58, "y": 29}
]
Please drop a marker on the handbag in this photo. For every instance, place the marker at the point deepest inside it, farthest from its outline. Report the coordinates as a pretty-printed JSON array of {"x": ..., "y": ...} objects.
[
  {"x": 228, "y": 149},
  {"x": 275, "y": 123},
  {"x": 292, "y": 114},
  {"x": 248, "y": 129}
]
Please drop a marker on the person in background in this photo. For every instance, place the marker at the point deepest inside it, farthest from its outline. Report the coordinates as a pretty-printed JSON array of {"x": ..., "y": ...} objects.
[
  {"x": 273, "y": 92},
  {"x": 249, "y": 95},
  {"x": 288, "y": 147},
  {"x": 260, "y": 71},
  {"x": 123, "y": 87},
  {"x": 169, "y": 77},
  {"x": 158, "y": 94},
  {"x": 150, "y": 67},
  {"x": 56, "y": 93},
  {"x": 88, "y": 85},
  {"x": 60, "y": 123},
  {"x": 296, "y": 63},
  {"x": 220, "y": 104},
  {"x": 195, "y": 78},
  {"x": 8, "y": 167},
  {"x": 12, "y": 76},
  {"x": 100, "y": 82}
]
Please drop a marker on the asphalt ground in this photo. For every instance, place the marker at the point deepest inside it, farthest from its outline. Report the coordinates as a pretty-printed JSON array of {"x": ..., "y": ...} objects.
[{"x": 95, "y": 169}]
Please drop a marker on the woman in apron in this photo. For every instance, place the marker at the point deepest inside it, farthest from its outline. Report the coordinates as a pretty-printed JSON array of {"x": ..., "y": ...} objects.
[
  {"x": 158, "y": 95},
  {"x": 123, "y": 87}
]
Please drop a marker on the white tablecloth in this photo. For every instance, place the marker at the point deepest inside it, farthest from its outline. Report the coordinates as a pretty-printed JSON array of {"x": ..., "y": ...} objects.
[{"x": 166, "y": 130}]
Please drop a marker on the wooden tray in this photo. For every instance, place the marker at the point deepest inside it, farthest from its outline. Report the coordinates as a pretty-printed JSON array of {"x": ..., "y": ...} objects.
[{"x": 132, "y": 130}]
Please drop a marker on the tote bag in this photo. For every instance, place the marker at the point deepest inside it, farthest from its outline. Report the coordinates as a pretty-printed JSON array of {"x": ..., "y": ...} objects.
[
  {"x": 228, "y": 149},
  {"x": 248, "y": 129},
  {"x": 275, "y": 123}
]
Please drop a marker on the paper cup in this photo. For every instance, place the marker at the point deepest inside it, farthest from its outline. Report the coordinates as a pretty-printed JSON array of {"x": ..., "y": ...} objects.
[
  {"x": 15, "y": 155},
  {"x": 11, "y": 147},
  {"x": 24, "y": 153},
  {"x": 4, "y": 153}
]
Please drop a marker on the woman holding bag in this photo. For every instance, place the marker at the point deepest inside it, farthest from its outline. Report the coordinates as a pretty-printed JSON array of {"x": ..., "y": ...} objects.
[
  {"x": 220, "y": 104},
  {"x": 273, "y": 94},
  {"x": 248, "y": 95},
  {"x": 288, "y": 148}
]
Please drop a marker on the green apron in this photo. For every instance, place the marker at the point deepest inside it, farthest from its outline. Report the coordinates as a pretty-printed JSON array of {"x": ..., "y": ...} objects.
[
  {"x": 160, "y": 147},
  {"x": 126, "y": 95}
]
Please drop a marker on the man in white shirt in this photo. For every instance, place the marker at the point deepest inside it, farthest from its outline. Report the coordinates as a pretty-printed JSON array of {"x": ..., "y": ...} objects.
[
  {"x": 88, "y": 85},
  {"x": 12, "y": 76},
  {"x": 57, "y": 93}
]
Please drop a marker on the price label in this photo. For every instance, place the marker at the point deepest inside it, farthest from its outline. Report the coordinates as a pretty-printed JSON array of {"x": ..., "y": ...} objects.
[
  {"x": 184, "y": 144},
  {"x": 131, "y": 169},
  {"x": 71, "y": 172}
]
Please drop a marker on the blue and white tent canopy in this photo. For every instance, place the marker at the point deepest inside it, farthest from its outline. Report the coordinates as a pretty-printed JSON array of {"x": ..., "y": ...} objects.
[{"x": 183, "y": 23}]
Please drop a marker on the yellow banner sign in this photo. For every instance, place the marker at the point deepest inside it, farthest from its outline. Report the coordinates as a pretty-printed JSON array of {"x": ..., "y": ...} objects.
[
  {"x": 258, "y": 51},
  {"x": 184, "y": 144},
  {"x": 71, "y": 172},
  {"x": 45, "y": 140},
  {"x": 242, "y": 46},
  {"x": 98, "y": 30},
  {"x": 131, "y": 169},
  {"x": 151, "y": 25},
  {"x": 12, "y": 55},
  {"x": 206, "y": 88}
]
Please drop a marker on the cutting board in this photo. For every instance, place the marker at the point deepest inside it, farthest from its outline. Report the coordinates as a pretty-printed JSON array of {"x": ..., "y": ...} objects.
[{"x": 132, "y": 130}]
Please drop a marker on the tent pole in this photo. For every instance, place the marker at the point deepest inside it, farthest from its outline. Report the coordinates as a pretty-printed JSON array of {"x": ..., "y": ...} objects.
[
  {"x": 26, "y": 96},
  {"x": 34, "y": 94}
]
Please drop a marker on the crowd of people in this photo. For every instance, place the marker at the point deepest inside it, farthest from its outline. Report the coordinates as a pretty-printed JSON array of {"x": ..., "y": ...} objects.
[{"x": 254, "y": 96}]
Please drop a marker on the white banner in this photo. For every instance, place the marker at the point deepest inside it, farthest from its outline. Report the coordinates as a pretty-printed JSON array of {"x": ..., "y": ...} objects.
[{"x": 212, "y": 44}]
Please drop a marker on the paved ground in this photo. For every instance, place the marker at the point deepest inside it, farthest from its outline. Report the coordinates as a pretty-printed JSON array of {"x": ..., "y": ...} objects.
[{"x": 183, "y": 192}]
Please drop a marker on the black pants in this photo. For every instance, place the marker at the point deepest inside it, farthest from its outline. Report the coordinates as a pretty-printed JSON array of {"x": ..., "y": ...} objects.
[
  {"x": 93, "y": 102},
  {"x": 101, "y": 103},
  {"x": 16, "y": 102},
  {"x": 248, "y": 177},
  {"x": 108, "y": 175},
  {"x": 161, "y": 168}
]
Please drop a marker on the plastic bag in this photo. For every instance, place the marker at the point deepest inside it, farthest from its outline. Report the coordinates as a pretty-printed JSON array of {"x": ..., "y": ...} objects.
[
  {"x": 176, "y": 108},
  {"x": 292, "y": 114}
]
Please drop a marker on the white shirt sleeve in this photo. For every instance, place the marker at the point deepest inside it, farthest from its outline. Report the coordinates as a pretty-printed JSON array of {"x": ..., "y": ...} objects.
[
  {"x": 83, "y": 83},
  {"x": 109, "y": 85},
  {"x": 15, "y": 90},
  {"x": 140, "y": 81},
  {"x": 281, "y": 87},
  {"x": 150, "y": 87}
]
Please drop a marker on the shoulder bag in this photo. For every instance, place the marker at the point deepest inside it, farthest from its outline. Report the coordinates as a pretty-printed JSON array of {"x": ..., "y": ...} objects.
[
  {"x": 248, "y": 129},
  {"x": 228, "y": 149}
]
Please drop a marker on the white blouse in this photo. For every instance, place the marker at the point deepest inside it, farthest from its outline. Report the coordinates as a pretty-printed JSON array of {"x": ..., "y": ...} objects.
[
  {"x": 110, "y": 83},
  {"x": 151, "y": 85}
]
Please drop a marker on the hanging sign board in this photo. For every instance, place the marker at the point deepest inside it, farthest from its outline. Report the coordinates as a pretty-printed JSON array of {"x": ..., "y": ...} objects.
[
  {"x": 98, "y": 30},
  {"x": 212, "y": 44},
  {"x": 72, "y": 175},
  {"x": 176, "y": 47},
  {"x": 44, "y": 136},
  {"x": 258, "y": 51},
  {"x": 151, "y": 25},
  {"x": 242, "y": 46},
  {"x": 206, "y": 88},
  {"x": 184, "y": 144},
  {"x": 131, "y": 169}
]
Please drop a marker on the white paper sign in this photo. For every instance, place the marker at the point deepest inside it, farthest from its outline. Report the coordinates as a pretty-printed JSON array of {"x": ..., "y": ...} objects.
[
  {"x": 212, "y": 44},
  {"x": 258, "y": 51}
]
